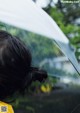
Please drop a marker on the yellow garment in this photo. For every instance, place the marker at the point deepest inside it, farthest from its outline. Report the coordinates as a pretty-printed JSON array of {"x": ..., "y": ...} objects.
[
  {"x": 46, "y": 88},
  {"x": 5, "y": 108}
]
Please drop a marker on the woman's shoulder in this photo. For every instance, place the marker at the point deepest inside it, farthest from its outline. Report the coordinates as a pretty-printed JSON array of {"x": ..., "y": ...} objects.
[{"x": 5, "y": 108}]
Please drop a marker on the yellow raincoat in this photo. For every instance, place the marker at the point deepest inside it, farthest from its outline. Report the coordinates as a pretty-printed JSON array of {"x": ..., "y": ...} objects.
[{"x": 5, "y": 108}]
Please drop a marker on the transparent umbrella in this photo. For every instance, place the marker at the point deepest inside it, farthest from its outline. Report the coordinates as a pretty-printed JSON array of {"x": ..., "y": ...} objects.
[{"x": 27, "y": 15}]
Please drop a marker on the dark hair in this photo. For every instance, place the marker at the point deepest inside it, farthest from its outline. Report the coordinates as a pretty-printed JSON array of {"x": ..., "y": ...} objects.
[{"x": 16, "y": 71}]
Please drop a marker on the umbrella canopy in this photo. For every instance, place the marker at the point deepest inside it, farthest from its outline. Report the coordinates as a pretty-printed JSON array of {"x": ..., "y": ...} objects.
[{"x": 27, "y": 15}]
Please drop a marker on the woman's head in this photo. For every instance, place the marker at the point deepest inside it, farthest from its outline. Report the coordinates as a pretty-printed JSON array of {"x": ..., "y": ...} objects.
[{"x": 15, "y": 65}]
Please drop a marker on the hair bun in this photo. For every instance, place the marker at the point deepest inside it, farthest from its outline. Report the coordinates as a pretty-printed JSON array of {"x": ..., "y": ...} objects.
[
  {"x": 38, "y": 74},
  {"x": 35, "y": 74}
]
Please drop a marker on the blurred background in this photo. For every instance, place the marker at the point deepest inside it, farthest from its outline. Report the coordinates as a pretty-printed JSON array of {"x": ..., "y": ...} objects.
[{"x": 49, "y": 96}]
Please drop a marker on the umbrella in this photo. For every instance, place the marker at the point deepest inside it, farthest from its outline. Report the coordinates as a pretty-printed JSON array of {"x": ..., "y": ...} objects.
[{"x": 27, "y": 15}]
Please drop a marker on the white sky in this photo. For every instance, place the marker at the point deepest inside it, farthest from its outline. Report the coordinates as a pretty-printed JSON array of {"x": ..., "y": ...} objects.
[{"x": 43, "y": 3}]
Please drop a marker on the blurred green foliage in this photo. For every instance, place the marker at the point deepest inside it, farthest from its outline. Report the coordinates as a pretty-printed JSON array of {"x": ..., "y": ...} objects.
[{"x": 67, "y": 17}]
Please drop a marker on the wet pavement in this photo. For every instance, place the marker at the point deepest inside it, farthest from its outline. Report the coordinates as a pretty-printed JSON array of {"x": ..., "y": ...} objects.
[{"x": 58, "y": 101}]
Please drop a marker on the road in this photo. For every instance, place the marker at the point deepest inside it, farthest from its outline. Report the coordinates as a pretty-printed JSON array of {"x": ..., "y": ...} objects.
[{"x": 58, "y": 101}]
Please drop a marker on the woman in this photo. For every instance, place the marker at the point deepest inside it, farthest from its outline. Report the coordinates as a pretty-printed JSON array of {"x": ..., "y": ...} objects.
[{"x": 16, "y": 72}]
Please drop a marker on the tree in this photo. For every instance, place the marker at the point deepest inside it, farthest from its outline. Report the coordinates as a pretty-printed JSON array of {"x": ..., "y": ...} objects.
[
  {"x": 65, "y": 16},
  {"x": 71, "y": 11}
]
